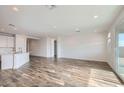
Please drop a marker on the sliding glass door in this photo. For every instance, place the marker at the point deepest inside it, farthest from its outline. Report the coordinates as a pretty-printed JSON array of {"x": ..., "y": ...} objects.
[{"x": 121, "y": 53}]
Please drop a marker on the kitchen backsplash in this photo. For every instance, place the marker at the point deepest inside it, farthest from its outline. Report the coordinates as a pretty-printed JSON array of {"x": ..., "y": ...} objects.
[{"x": 6, "y": 50}]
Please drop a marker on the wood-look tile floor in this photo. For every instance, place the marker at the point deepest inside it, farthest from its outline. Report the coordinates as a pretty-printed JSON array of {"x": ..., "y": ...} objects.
[{"x": 42, "y": 72}]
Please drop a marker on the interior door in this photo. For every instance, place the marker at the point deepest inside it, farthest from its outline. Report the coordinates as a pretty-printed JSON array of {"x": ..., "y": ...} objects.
[{"x": 55, "y": 48}]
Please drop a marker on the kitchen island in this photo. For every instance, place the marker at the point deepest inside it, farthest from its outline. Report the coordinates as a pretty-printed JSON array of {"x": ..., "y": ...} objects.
[{"x": 13, "y": 61}]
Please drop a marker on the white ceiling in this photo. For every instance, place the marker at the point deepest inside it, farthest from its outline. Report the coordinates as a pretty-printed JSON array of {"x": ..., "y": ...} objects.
[{"x": 61, "y": 20}]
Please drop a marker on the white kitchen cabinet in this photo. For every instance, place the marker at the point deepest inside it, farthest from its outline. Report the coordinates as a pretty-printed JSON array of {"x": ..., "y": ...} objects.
[
  {"x": 10, "y": 41},
  {"x": 6, "y": 41},
  {"x": 6, "y": 61},
  {"x": 20, "y": 59},
  {"x": 3, "y": 41}
]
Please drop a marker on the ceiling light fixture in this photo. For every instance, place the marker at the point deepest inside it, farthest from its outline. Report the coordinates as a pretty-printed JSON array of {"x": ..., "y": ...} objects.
[
  {"x": 96, "y": 17},
  {"x": 51, "y": 6},
  {"x": 95, "y": 30},
  {"x": 12, "y": 26},
  {"x": 15, "y": 9},
  {"x": 54, "y": 27},
  {"x": 109, "y": 35}
]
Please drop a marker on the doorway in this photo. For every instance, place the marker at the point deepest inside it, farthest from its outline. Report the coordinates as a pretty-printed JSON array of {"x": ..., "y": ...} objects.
[
  {"x": 55, "y": 48},
  {"x": 0, "y": 62},
  {"x": 33, "y": 46}
]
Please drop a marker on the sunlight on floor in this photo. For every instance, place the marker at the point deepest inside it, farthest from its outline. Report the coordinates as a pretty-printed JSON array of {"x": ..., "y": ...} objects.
[{"x": 99, "y": 76}]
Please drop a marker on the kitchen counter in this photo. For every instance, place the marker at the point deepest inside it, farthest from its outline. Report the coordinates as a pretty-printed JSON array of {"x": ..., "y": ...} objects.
[
  {"x": 9, "y": 61},
  {"x": 20, "y": 59},
  {"x": 6, "y": 61}
]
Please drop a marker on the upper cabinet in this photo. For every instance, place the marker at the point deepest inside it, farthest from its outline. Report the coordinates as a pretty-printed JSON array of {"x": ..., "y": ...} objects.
[
  {"x": 3, "y": 41},
  {"x": 10, "y": 41},
  {"x": 6, "y": 41}
]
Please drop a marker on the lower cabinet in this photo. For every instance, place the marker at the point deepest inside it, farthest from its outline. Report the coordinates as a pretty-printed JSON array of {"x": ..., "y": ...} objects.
[
  {"x": 20, "y": 59},
  {"x": 15, "y": 61},
  {"x": 6, "y": 61}
]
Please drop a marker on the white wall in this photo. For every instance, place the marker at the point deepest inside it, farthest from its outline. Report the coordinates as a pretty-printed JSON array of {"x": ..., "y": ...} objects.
[
  {"x": 87, "y": 46},
  {"x": 38, "y": 47}
]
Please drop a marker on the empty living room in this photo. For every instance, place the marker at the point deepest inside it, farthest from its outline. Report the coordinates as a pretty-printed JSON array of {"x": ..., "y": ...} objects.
[{"x": 61, "y": 45}]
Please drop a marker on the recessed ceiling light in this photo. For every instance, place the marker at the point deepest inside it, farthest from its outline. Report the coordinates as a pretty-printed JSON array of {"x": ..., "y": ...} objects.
[
  {"x": 96, "y": 17},
  {"x": 15, "y": 9},
  {"x": 54, "y": 26},
  {"x": 95, "y": 30}
]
